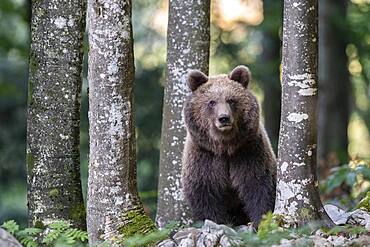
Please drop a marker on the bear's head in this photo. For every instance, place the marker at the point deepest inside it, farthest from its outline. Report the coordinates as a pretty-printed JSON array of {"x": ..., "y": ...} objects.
[{"x": 221, "y": 110}]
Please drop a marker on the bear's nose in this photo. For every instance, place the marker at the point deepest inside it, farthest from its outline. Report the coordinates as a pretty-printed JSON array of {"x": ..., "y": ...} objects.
[{"x": 224, "y": 119}]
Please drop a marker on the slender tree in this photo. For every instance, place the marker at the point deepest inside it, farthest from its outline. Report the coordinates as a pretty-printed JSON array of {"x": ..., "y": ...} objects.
[
  {"x": 53, "y": 158},
  {"x": 334, "y": 96},
  {"x": 297, "y": 195},
  {"x": 188, "y": 43},
  {"x": 270, "y": 68},
  {"x": 114, "y": 209}
]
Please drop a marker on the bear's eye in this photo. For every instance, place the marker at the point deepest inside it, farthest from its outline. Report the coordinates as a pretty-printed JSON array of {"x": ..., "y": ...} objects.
[
  {"x": 231, "y": 102},
  {"x": 212, "y": 103}
]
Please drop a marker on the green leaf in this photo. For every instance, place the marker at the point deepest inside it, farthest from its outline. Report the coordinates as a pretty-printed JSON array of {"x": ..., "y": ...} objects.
[
  {"x": 337, "y": 178},
  {"x": 364, "y": 170},
  {"x": 351, "y": 179},
  {"x": 60, "y": 225},
  {"x": 29, "y": 231},
  {"x": 11, "y": 226}
]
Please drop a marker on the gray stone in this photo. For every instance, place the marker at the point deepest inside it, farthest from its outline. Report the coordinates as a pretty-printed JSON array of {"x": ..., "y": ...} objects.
[
  {"x": 208, "y": 224},
  {"x": 245, "y": 228},
  {"x": 227, "y": 241},
  {"x": 212, "y": 239},
  {"x": 167, "y": 243},
  {"x": 339, "y": 241},
  {"x": 188, "y": 242},
  {"x": 360, "y": 241},
  {"x": 185, "y": 233},
  {"x": 360, "y": 217},
  {"x": 336, "y": 214},
  {"x": 6, "y": 239}
]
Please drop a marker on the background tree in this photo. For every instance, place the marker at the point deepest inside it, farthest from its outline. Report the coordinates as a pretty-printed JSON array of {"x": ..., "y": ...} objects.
[
  {"x": 334, "y": 86},
  {"x": 114, "y": 207},
  {"x": 14, "y": 49},
  {"x": 297, "y": 195},
  {"x": 237, "y": 38},
  {"x": 53, "y": 158},
  {"x": 188, "y": 44},
  {"x": 269, "y": 68}
]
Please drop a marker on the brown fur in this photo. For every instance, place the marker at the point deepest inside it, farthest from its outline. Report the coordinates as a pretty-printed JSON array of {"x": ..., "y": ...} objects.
[{"x": 228, "y": 172}]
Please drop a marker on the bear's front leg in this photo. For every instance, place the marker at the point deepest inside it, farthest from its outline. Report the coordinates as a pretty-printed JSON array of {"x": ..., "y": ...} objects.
[
  {"x": 205, "y": 184},
  {"x": 256, "y": 189}
]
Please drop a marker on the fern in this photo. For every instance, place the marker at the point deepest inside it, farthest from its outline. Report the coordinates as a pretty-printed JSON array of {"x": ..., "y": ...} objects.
[
  {"x": 60, "y": 225},
  {"x": 28, "y": 241},
  {"x": 58, "y": 233},
  {"x": 10, "y": 226},
  {"x": 71, "y": 235},
  {"x": 51, "y": 236}
]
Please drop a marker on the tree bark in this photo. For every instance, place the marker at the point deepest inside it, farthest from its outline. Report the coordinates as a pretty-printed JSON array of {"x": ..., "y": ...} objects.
[
  {"x": 114, "y": 208},
  {"x": 188, "y": 42},
  {"x": 334, "y": 96},
  {"x": 270, "y": 74},
  {"x": 53, "y": 158},
  {"x": 297, "y": 195}
]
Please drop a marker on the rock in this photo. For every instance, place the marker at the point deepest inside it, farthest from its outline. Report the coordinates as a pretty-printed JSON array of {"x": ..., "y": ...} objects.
[
  {"x": 360, "y": 241},
  {"x": 212, "y": 239},
  {"x": 360, "y": 217},
  {"x": 294, "y": 242},
  {"x": 337, "y": 241},
  {"x": 185, "y": 233},
  {"x": 226, "y": 241},
  {"x": 318, "y": 241},
  {"x": 320, "y": 233},
  {"x": 167, "y": 243},
  {"x": 245, "y": 228},
  {"x": 212, "y": 226},
  {"x": 286, "y": 243},
  {"x": 6, "y": 239},
  {"x": 187, "y": 242},
  {"x": 336, "y": 214}
]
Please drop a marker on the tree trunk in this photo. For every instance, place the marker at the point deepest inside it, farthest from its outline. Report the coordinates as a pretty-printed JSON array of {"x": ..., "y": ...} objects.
[
  {"x": 334, "y": 96},
  {"x": 53, "y": 158},
  {"x": 297, "y": 195},
  {"x": 187, "y": 48},
  {"x": 270, "y": 64},
  {"x": 114, "y": 208}
]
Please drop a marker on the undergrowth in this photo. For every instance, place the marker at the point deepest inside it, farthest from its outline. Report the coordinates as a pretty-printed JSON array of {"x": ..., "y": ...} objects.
[{"x": 59, "y": 233}]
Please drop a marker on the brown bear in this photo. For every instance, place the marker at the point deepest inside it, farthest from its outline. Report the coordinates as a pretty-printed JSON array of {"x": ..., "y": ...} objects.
[{"x": 229, "y": 167}]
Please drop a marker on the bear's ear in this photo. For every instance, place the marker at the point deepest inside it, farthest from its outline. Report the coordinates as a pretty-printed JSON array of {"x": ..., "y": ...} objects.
[
  {"x": 195, "y": 79},
  {"x": 241, "y": 74}
]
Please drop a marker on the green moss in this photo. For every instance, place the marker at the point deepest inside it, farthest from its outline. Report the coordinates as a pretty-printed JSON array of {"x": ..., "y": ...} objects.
[
  {"x": 78, "y": 212},
  {"x": 39, "y": 224},
  {"x": 33, "y": 63},
  {"x": 280, "y": 219},
  {"x": 305, "y": 213},
  {"x": 30, "y": 160},
  {"x": 40, "y": 11},
  {"x": 54, "y": 193},
  {"x": 137, "y": 223},
  {"x": 365, "y": 202},
  {"x": 30, "y": 91}
]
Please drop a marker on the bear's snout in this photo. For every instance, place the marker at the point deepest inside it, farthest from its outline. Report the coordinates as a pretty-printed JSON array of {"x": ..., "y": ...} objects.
[{"x": 224, "y": 118}]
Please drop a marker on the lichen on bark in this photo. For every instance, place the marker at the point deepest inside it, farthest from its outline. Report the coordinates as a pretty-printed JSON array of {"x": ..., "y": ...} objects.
[
  {"x": 112, "y": 192},
  {"x": 188, "y": 44},
  {"x": 55, "y": 66},
  {"x": 297, "y": 197}
]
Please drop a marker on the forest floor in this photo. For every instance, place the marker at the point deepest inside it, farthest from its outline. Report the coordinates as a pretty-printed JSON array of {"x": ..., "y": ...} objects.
[{"x": 352, "y": 229}]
